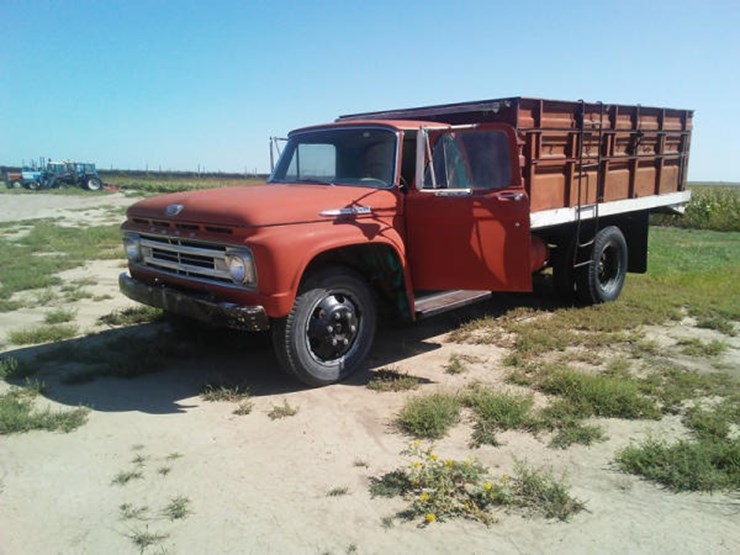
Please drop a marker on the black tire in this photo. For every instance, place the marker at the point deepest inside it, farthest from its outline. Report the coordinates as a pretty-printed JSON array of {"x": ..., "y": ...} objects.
[
  {"x": 602, "y": 280},
  {"x": 34, "y": 185},
  {"x": 93, "y": 184},
  {"x": 330, "y": 329}
]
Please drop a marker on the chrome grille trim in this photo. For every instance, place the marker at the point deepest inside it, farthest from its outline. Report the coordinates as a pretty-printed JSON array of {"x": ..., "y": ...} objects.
[{"x": 187, "y": 258}]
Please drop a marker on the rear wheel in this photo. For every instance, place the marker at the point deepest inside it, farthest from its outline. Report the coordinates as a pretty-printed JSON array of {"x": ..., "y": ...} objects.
[
  {"x": 94, "y": 184},
  {"x": 330, "y": 330},
  {"x": 603, "y": 278},
  {"x": 16, "y": 185}
]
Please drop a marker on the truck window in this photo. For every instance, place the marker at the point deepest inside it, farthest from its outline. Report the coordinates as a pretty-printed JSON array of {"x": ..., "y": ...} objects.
[
  {"x": 340, "y": 156},
  {"x": 313, "y": 162},
  {"x": 470, "y": 159}
]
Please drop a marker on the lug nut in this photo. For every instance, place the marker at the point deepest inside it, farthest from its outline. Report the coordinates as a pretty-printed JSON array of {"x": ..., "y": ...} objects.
[
  {"x": 334, "y": 342},
  {"x": 337, "y": 316},
  {"x": 329, "y": 329},
  {"x": 353, "y": 328},
  {"x": 345, "y": 341}
]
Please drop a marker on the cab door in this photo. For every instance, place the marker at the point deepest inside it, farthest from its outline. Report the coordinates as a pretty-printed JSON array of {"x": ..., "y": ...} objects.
[{"x": 467, "y": 218}]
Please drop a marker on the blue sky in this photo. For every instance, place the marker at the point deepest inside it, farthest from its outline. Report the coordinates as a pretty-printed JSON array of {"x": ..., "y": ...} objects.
[{"x": 131, "y": 84}]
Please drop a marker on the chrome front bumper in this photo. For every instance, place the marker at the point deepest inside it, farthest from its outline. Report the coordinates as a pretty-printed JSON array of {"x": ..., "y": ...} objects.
[{"x": 231, "y": 315}]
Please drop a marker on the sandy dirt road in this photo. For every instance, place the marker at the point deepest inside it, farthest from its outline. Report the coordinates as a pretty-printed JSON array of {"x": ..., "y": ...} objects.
[{"x": 257, "y": 485}]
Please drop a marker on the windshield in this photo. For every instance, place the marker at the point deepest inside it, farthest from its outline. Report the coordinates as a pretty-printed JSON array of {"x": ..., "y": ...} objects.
[{"x": 339, "y": 156}]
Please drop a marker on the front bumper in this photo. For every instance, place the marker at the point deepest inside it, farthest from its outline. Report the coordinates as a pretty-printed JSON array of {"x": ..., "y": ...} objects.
[{"x": 231, "y": 315}]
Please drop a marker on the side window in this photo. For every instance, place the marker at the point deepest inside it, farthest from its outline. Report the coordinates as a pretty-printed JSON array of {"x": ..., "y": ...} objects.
[
  {"x": 489, "y": 158},
  {"x": 448, "y": 165},
  {"x": 469, "y": 159}
]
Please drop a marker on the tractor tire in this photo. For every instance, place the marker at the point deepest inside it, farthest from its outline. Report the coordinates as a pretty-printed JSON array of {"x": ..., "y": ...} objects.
[
  {"x": 16, "y": 185},
  {"x": 330, "y": 330},
  {"x": 94, "y": 184},
  {"x": 602, "y": 280}
]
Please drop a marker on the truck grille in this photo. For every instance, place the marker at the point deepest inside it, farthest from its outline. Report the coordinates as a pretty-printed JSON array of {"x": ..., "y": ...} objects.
[{"x": 185, "y": 258}]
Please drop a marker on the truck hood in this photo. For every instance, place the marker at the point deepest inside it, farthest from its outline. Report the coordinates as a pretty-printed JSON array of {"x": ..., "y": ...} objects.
[{"x": 263, "y": 205}]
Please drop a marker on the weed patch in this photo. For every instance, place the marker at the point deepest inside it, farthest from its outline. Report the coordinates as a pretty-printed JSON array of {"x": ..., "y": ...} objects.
[
  {"x": 282, "y": 411},
  {"x": 50, "y": 333},
  {"x": 17, "y": 415},
  {"x": 439, "y": 489},
  {"x": 59, "y": 316},
  {"x": 224, "y": 392},
  {"x": 429, "y": 416},
  {"x": 131, "y": 316},
  {"x": 697, "y": 348},
  {"x": 13, "y": 369},
  {"x": 497, "y": 412},
  {"x": 337, "y": 492},
  {"x": 177, "y": 509},
  {"x": 390, "y": 379}
]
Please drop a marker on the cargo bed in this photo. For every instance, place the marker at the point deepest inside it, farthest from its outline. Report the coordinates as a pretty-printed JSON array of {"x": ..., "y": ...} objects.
[{"x": 581, "y": 160}]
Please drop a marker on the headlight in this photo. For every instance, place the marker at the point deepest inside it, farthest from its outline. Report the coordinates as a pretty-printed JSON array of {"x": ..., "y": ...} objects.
[
  {"x": 241, "y": 267},
  {"x": 132, "y": 244}
]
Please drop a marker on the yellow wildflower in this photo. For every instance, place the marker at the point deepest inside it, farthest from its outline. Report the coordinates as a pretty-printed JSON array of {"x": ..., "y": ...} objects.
[
  {"x": 424, "y": 497},
  {"x": 431, "y": 517},
  {"x": 488, "y": 486},
  {"x": 433, "y": 456},
  {"x": 415, "y": 464},
  {"x": 505, "y": 479},
  {"x": 449, "y": 462}
]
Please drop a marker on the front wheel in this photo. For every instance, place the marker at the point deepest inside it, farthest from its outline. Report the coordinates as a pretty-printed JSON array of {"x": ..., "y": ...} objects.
[
  {"x": 330, "y": 330},
  {"x": 603, "y": 278}
]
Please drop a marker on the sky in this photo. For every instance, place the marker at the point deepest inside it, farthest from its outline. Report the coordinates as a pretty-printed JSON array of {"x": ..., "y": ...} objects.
[{"x": 185, "y": 85}]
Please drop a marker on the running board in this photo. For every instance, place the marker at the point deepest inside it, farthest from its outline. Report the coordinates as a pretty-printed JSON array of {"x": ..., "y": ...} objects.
[{"x": 437, "y": 303}]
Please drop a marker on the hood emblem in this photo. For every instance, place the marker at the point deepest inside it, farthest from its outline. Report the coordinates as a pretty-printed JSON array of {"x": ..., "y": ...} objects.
[{"x": 173, "y": 209}]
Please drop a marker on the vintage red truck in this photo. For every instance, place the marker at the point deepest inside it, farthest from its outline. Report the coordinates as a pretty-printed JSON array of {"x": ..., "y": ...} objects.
[{"x": 405, "y": 213}]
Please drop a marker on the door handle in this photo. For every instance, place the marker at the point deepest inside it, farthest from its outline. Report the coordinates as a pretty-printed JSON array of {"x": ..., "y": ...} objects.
[{"x": 510, "y": 196}]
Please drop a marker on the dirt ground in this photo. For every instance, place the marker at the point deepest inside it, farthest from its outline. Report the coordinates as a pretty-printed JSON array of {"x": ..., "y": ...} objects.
[{"x": 258, "y": 485}]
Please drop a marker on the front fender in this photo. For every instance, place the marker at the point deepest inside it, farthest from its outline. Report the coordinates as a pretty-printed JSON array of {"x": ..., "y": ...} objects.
[{"x": 282, "y": 253}]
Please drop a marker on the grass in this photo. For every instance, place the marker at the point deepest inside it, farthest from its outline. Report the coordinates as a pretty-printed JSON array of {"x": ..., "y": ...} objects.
[
  {"x": 125, "y": 476},
  {"x": 282, "y": 411},
  {"x": 144, "y": 539},
  {"x": 132, "y": 316},
  {"x": 429, "y": 416},
  {"x": 157, "y": 182},
  {"x": 697, "y": 348},
  {"x": 18, "y": 414},
  {"x": 686, "y": 465},
  {"x": 390, "y": 379},
  {"x": 438, "y": 489},
  {"x": 214, "y": 392},
  {"x": 127, "y": 511},
  {"x": 597, "y": 395},
  {"x": 33, "y": 261},
  {"x": 120, "y": 357},
  {"x": 244, "y": 408},
  {"x": 13, "y": 369},
  {"x": 59, "y": 316},
  {"x": 337, "y": 492},
  {"x": 496, "y": 411},
  {"x": 177, "y": 509},
  {"x": 47, "y": 333},
  {"x": 458, "y": 363}
]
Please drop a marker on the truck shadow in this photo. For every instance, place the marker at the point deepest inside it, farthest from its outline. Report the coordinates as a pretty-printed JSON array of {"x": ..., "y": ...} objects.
[{"x": 156, "y": 369}]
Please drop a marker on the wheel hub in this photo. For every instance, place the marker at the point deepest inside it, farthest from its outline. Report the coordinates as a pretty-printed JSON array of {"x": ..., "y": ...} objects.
[{"x": 333, "y": 327}]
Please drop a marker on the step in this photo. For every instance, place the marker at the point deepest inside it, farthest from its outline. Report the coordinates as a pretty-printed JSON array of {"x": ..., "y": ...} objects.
[{"x": 442, "y": 301}]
